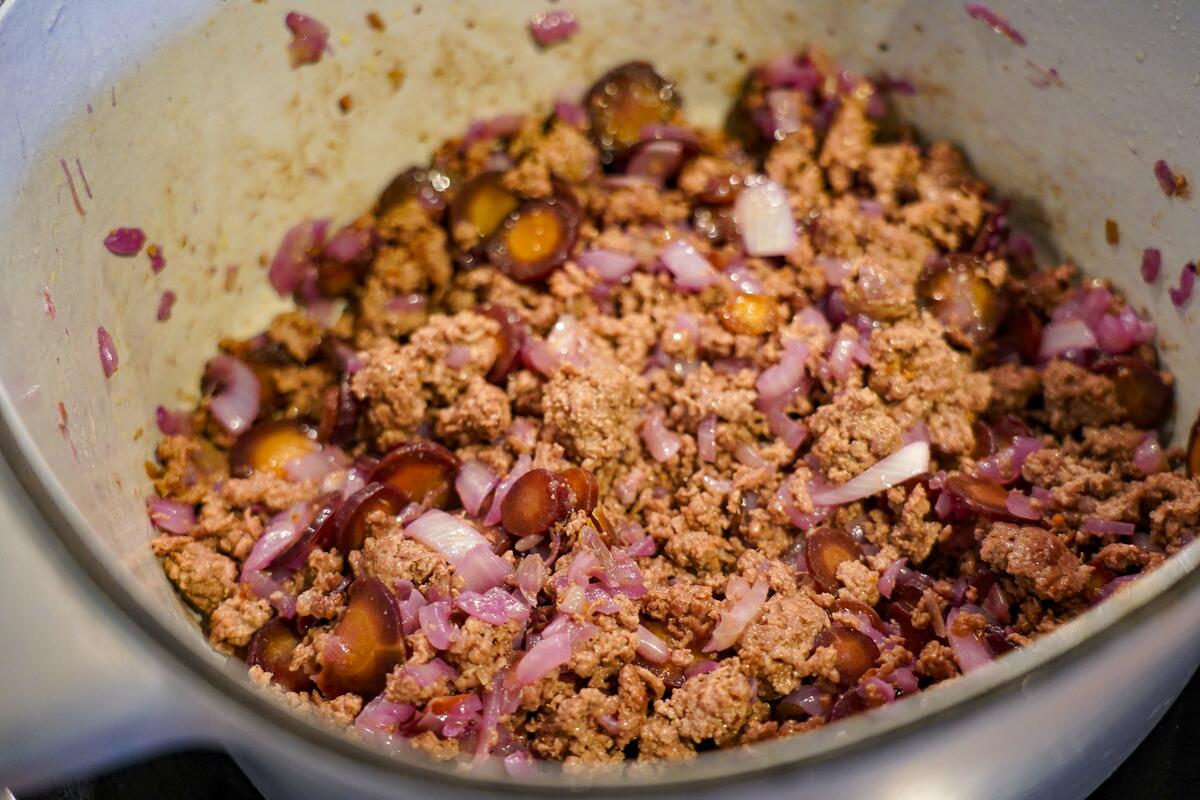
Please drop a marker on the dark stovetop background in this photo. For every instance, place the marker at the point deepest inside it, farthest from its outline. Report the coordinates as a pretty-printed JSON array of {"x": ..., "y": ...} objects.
[{"x": 1164, "y": 767}]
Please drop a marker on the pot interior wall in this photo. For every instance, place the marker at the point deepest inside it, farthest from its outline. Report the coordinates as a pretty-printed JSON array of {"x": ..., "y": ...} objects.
[{"x": 189, "y": 123}]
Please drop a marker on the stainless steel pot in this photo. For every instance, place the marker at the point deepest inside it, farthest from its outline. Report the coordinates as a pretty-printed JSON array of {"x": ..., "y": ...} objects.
[{"x": 184, "y": 119}]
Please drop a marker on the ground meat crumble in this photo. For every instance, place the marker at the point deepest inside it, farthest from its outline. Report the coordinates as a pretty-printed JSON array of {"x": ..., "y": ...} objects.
[{"x": 556, "y": 482}]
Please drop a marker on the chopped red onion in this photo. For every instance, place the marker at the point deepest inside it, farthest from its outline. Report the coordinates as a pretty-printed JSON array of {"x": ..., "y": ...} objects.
[
  {"x": 538, "y": 356},
  {"x": 970, "y": 650},
  {"x": 748, "y": 456},
  {"x": 1187, "y": 280},
  {"x": 292, "y": 262},
  {"x": 426, "y": 674},
  {"x": 523, "y": 465},
  {"x": 764, "y": 218},
  {"x": 1151, "y": 264},
  {"x": 531, "y": 573},
  {"x": 742, "y": 602},
  {"x": 609, "y": 265},
  {"x": 697, "y": 668},
  {"x": 409, "y": 606},
  {"x": 173, "y": 423},
  {"x": 158, "y": 261},
  {"x": 445, "y": 533},
  {"x": 1065, "y": 336},
  {"x": 842, "y": 355},
  {"x": 706, "y": 439},
  {"x": 499, "y": 126},
  {"x": 436, "y": 625},
  {"x": 1020, "y": 505},
  {"x": 457, "y": 356},
  {"x": 171, "y": 516},
  {"x": 996, "y": 22},
  {"x": 553, "y": 26},
  {"x": 495, "y": 606},
  {"x": 1107, "y": 527},
  {"x": 165, "y": 304},
  {"x": 550, "y": 653},
  {"x": 406, "y": 303},
  {"x": 382, "y": 721},
  {"x": 568, "y": 109},
  {"x": 742, "y": 279},
  {"x": 235, "y": 404},
  {"x": 661, "y": 443},
  {"x": 125, "y": 241},
  {"x": 783, "y": 378},
  {"x": 348, "y": 244},
  {"x": 655, "y": 160},
  {"x": 568, "y": 342},
  {"x": 791, "y": 432},
  {"x": 1171, "y": 184},
  {"x": 642, "y": 548},
  {"x": 887, "y": 580},
  {"x": 782, "y": 113},
  {"x": 650, "y": 647},
  {"x": 908, "y": 462},
  {"x": 108, "y": 352},
  {"x": 309, "y": 39},
  {"x": 1113, "y": 586},
  {"x": 1149, "y": 458},
  {"x": 315, "y": 466},
  {"x": 1005, "y": 465},
  {"x": 626, "y": 487},
  {"x": 687, "y": 266},
  {"x": 474, "y": 482},
  {"x": 284, "y": 530}
]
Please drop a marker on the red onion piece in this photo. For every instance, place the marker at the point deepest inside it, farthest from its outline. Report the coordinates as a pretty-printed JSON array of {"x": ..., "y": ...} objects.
[
  {"x": 1020, "y": 506},
  {"x": 791, "y": 432},
  {"x": 1107, "y": 527},
  {"x": 426, "y": 674},
  {"x": 836, "y": 269},
  {"x": 672, "y": 133},
  {"x": 626, "y": 487},
  {"x": 568, "y": 109},
  {"x": 284, "y": 529},
  {"x": 125, "y": 241},
  {"x": 317, "y": 465},
  {"x": 171, "y": 516},
  {"x": 661, "y": 443},
  {"x": 309, "y": 39},
  {"x": 687, "y": 266},
  {"x": 811, "y": 699},
  {"x": 1005, "y": 466},
  {"x": 568, "y": 342},
  {"x": 742, "y": 602},
  {"x": 292, "y": 262},
  {"x": 609, "y": 265},
  {"x": 1148, "y": 457},
  {"x": 1183, "y": 293},
  {"x": 481, "y": 569},
  {"x": 553, "y": 26},
  {"x": 523, "y": 465},
  {"x": 474, "y": 483},
  {"x": 235, "y": 404},
  {"x": 764, "y": 218},
  {"x": 1113, "y": 586},
  {"x": 538, "y": 356},
  {"x": 165, "y": 304},
  {"x": 996, "y": 22},
  {"x": 1064, "y": 336},
  {"x": 435, "y": 623},
  {"x": 706, "y": 439},
  {"x": 887, "y": 580},
  {"x": 173, "y": 423},
  {"x": 842, "y": 355},
  {"x": 908, "y": 462},
  {"x": 787, "y": 375},
  {"x": 495, "y": 606},
  {"x": 748, "y": 456},
  {"x": 650, "y": 647},
  {"x": 499, "y": 126},
  {"x": 970, "y": 650},
  {"x": 409, "y": 606},
  {"x": 531, "y": 574},
  {"x": 447, "y": 534},
  {"x": 742, "y": 279},
  {"x": 348, "y": 244},
  {"x": 382, "y": 721},
  {"x": 158, "y": 261},
  {"x": 406, "y": 303},
  {"x": 551, "y": 652},
  {"x": 108, "y": 352},
  {"x": 1167, "y": 180},
  {"x": 457, "y": 356}
]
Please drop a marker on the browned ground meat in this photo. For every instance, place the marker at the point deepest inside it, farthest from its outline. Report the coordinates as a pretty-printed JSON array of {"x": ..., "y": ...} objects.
[{"x": 664, "y": 578}]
